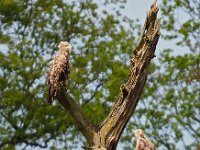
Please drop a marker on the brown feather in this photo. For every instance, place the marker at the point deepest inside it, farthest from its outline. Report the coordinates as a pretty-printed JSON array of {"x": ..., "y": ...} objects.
[
  {"x": 143, "y": 143},
  {"x": 59, "y": 70}
]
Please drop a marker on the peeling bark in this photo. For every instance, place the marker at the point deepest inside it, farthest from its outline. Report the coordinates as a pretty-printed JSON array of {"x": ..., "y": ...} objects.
[{"x": 107, "y": 134}]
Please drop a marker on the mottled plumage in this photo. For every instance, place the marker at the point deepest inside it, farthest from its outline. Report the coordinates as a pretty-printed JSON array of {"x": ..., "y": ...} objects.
[
  {"x": 143, "y": 143},
  {"x": 59, "y": 70}
]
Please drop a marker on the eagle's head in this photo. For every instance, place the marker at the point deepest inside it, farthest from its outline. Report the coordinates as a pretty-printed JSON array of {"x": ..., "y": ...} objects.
[
  {"x": 64, "y": 46},
  {"x": 139, "y": 133}
]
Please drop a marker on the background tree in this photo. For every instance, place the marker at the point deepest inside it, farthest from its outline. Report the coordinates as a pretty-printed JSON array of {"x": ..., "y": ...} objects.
[
  {"x": 29, "y": 33},
  {"x": 171, "y": 99}
]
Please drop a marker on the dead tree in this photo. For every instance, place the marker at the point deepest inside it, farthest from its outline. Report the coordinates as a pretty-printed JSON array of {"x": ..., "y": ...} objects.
[{"x": 107, "y": 134}]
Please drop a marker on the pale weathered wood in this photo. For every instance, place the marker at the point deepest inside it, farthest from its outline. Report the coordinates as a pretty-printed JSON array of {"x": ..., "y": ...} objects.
[{"x": 114, "y": 124}]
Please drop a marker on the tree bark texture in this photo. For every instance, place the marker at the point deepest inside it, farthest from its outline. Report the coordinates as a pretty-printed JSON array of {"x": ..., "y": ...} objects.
[{"x": 107, "y": 134}]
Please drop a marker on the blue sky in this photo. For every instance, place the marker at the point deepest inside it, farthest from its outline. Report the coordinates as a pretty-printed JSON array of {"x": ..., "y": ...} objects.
[{"x": 138, "y": 9}]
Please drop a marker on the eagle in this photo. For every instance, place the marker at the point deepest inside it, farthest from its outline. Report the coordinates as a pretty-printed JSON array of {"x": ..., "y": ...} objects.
[
  {"x": 143, "y": 143},
  {"x": 59, "y": 70}
]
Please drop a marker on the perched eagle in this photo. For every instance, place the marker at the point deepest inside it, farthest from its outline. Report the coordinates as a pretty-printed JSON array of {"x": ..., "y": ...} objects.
[
  {"x": 143, "y": 143},
  {"x": 59, "y": 70}
]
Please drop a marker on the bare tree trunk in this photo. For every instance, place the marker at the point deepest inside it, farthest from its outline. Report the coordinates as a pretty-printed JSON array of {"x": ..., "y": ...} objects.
[{"x": 107, "y": 134}]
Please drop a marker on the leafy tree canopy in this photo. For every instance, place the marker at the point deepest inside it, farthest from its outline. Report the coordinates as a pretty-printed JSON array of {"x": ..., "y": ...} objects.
[
  {"x": 30, "y": 32},
  {"x": 102, "y": 41}
]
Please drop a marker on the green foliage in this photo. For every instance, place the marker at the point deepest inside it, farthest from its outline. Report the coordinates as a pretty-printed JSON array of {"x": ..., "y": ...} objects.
[
  {"x": 29, "y": 34},
  {"x": 102, "y": 47},
  {"x": 181, "y": 20}
]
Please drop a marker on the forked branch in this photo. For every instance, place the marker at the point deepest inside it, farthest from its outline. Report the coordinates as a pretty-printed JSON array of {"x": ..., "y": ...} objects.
[{"x": 107, "y": 135}]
